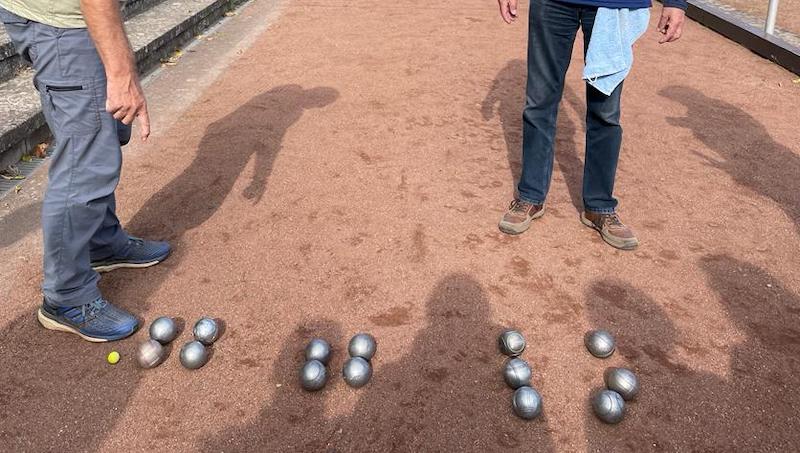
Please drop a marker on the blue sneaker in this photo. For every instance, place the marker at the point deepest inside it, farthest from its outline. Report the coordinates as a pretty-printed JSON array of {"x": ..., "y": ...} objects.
[
  {"x": 97, "y": 321},
  {"x": 140, "y": 253}
]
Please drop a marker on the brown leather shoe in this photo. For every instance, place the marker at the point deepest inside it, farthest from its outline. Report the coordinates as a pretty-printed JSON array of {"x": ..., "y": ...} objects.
[
  {"x": 519, "y": 216},
  {"x": 611, "y": 229}
]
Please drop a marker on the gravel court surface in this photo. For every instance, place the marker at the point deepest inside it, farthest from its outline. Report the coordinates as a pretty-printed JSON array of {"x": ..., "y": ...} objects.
[{"x": 346, "y": 173}]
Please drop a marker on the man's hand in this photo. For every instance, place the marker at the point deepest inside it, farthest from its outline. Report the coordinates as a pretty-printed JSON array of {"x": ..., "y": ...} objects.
[
  {"x": 508, "y": 10},
  {"x": 671, "y": 24},
  {"x": 125, "y": 99}
]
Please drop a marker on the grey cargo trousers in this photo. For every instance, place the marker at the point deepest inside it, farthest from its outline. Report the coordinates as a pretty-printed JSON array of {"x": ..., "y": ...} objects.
[{"x": 78, "y": 215}]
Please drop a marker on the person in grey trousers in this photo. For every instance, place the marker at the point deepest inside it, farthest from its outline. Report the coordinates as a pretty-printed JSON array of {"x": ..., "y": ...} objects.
[{"x": 86, "y": 76}]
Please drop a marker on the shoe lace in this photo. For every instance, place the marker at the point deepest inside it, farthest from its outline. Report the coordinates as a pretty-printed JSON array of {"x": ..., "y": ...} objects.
[
  {"x": 135, "y": 241},
  {"x": 519, "y": 206},
  {"x": 91, "y": 309},
  {"x": 612, "y": 220}
]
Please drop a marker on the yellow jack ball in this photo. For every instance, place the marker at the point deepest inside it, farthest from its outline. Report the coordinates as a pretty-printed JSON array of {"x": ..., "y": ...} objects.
[{"x": 113, "y": 357}]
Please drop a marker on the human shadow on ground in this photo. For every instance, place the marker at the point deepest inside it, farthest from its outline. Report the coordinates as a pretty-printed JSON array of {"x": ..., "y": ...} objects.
[
  {"x": 56, "y": 391},
  {"x": 446, "y": 394},
  {"x": 749, "y": 154},
  {"x": 680, "y": 409},
  {"x": 16, "y": 224},
  {"x": 508, "y": 94}
]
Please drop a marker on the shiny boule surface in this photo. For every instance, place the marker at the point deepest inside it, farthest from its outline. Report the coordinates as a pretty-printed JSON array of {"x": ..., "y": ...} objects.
[
  {"x": 517, "y": 373},
  {"x": 526, "y": 403},
  {"x": 318, "y": 349},
  {"x": 362, "y": 345},
  {"x": 511, "y": 343},
  {"x": 150, "y": 354},
  {"x": 622, "y": 381},
  {"x": 163, "y": 329},
  {"x": 193, "y": 355},
  {"x": 356, "y": 372},
  {"x": 313, "y": 375},
  {"x": 206, "y": 331},
  {"x": 600, "y": 343},
  {"x": 609, "y": 406}
]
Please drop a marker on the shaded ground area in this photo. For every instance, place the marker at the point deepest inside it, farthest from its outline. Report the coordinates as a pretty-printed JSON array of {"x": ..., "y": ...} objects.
[{"x": 346, "y": 173}]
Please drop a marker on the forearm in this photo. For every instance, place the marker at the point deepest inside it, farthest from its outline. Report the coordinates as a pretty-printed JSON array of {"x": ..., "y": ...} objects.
[{"x": 104, "y": 22}]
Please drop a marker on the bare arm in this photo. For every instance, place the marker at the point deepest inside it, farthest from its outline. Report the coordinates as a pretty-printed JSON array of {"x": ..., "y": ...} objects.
[{"x": 125, "y": 100}]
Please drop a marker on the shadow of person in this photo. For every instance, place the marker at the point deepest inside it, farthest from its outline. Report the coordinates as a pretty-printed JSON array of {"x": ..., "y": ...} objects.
[
  {"x": 295, "y": 420},
  {"x": 749, "y": 154},
  {"x": 16, "y": 224},
  {"x": 508, "y": 94},
  {"x": 256, "y": 129},
  {"x": 568, "y": 157},
  {"x": 677, "y": 409},
  {"x": 447, "y": 394},
  {"x": 765, "y": 368},
  {"x": 56, "y": 392}
]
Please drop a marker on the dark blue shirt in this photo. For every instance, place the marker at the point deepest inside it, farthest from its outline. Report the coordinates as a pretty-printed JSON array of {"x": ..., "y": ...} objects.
[{"x": 627, "y": 3}]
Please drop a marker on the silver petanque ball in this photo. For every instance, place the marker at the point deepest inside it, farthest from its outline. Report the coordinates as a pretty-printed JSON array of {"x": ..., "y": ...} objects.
[
  {"x": 163, "y": 330},
  {"x": 511, "y": 343},
  {"x": 622, "y": 381},
  {"x": 527, "y": 403},
  {"x": 318, "y": 349},
  {"x": 517, "y": 373},
  {"x": 313, "y": 375},
  {"x": 150, "y": 354},
  {"x": 600, "y": 343},
  {"x": 194, "y": 355},
  {"x": 362, "y": 345},
  {"x": 609, "y": 406},
  {"x": 356, "y": 372},
  {"x": 206, "y": 331}
]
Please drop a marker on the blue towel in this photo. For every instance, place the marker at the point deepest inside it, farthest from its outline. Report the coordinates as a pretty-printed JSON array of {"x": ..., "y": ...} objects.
[{"x": 610, "y": 54}]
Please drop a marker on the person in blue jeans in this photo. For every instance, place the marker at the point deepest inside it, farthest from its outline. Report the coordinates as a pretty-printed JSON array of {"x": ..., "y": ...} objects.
[
  {"x": 553, "y": 25},
  {"x": 87, "y": 80}
]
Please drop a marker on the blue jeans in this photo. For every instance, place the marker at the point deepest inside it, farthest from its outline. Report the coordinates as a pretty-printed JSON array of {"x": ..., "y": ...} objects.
[
  {"x": 78, "y": 214},
  {"x": 553, "y": 26}
]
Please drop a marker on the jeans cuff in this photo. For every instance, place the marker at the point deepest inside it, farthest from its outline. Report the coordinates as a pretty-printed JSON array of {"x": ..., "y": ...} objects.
[
  {"x": 74, "y": 298},
  {"x": 601, "y": 210},
  {"x": 528, "y": 200}
]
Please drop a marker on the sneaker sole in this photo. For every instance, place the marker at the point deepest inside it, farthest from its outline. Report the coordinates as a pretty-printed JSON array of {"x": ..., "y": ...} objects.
[
  {"x": 610, "y": 240},
  {"x": 519, "y": 228},
  {"x": 111, "y": 267},
  {"x": 51, "y": 324}
]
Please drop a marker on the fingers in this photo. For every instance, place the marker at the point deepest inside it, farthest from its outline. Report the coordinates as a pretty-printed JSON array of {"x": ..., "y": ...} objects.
[
  {"x": 144, "y": 123},
  {"x": 662, "y": 23},
  {"x": 505, "y": 11},
  {"x": 678, "y": 30},
  {"x": 672, "y": 33},
  {"x": 671, "y": 24},
  {"x": 512, "y": 8}
]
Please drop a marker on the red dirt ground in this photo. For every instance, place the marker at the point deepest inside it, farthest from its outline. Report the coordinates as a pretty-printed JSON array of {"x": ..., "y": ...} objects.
[{"x": 346, "y": 173}]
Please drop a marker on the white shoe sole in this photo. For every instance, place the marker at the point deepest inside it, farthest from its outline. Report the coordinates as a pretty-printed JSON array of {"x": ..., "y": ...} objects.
[
  {"x": 111, "y": 267},
  {"x": 49, "y": 324}
]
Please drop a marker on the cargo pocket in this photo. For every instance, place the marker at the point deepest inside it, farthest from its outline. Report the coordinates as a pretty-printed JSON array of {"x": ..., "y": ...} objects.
[{"x": 73, "y": 108}]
